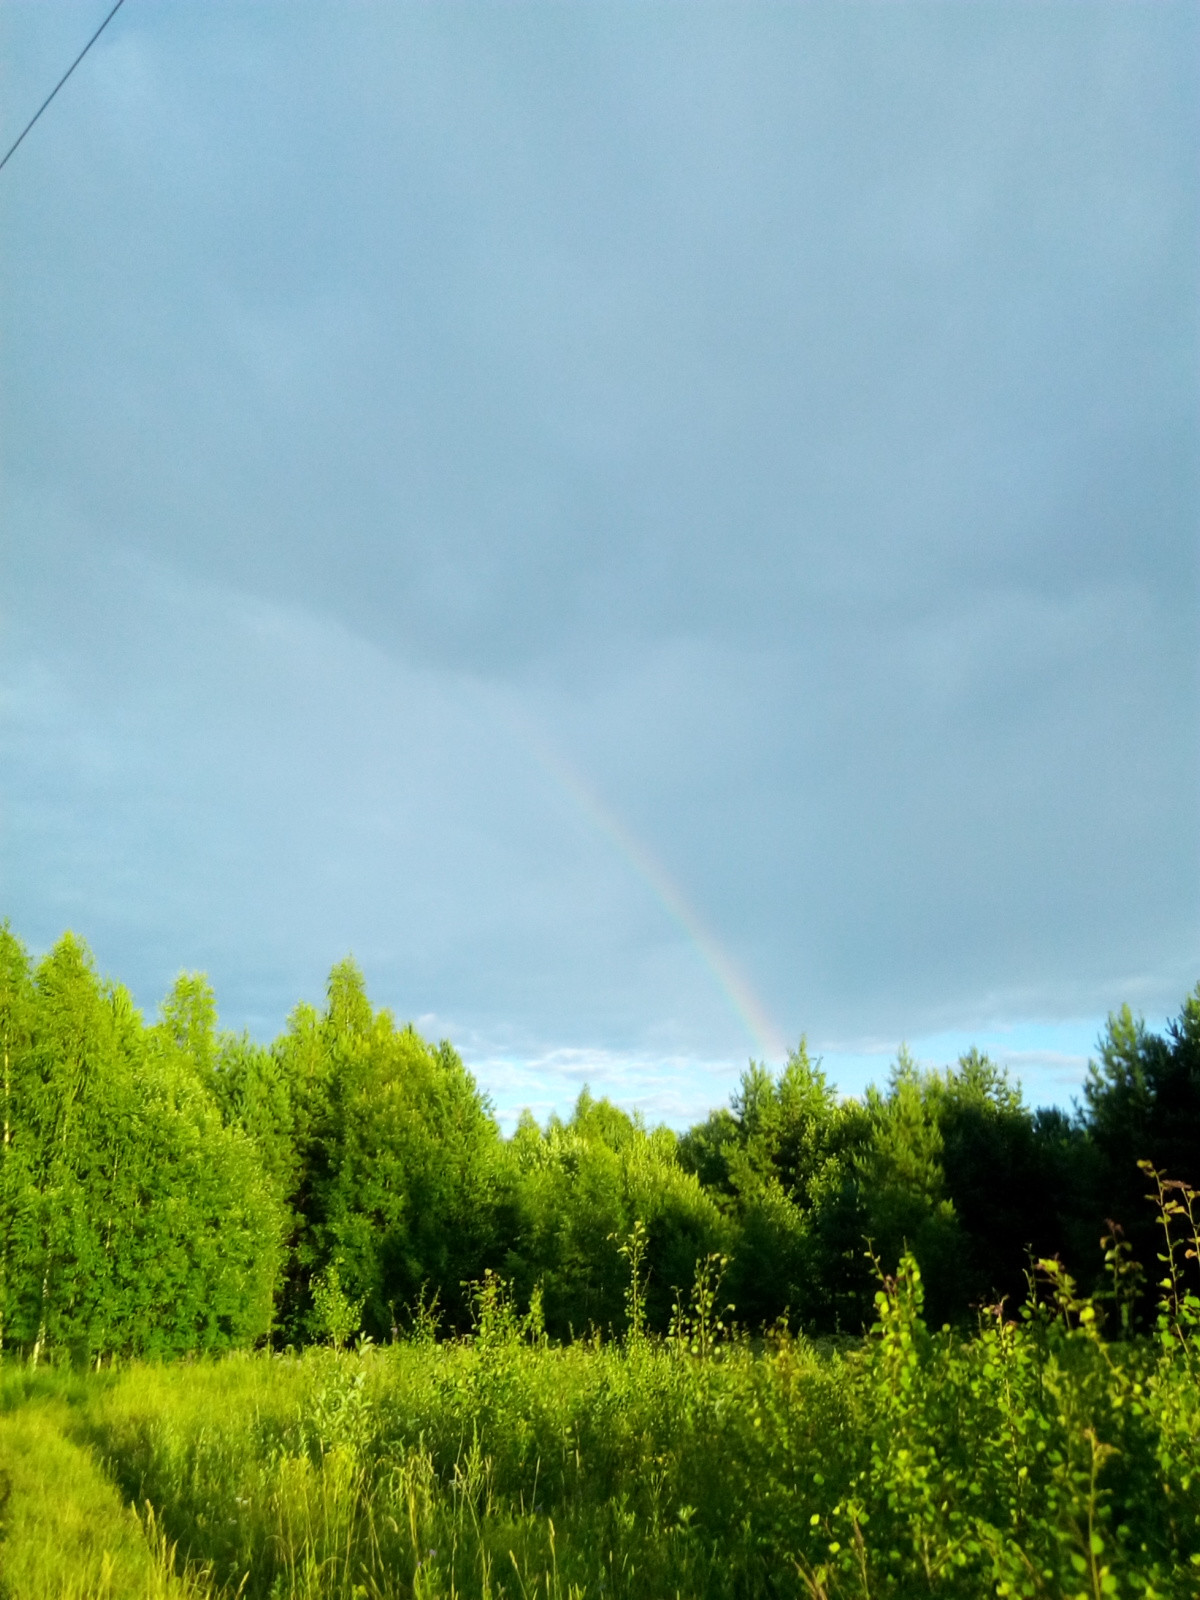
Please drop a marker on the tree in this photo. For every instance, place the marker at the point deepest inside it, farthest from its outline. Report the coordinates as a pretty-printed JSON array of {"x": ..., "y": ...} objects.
[
  {"x": 1000, "y": 1176},
  {"x": 396, "y": 1157},
  {"x": 16, "y": 1022},
  {"x": 188, "y": 1022},
  {"x": 579, "y": 1189},
  {"x": 132, "y": 1219},
  {"x": 903, "y": 1183},
  {"x": 72, "y": 1062},
  {"x": 781, "y": 1163},
  {"x": 1141, "y": 1103},
  {"x": 197, "y": 1256}
]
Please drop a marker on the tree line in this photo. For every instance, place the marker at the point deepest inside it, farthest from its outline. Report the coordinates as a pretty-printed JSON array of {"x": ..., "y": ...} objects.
[{"x": 169, "y": 1188}]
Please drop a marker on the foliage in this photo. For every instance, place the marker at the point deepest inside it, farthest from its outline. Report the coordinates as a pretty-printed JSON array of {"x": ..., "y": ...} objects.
[
  {"x": 586, "y": 1363},
  {"x": 579, "y": 1191},
  {"x": 131, "y": 1218},
  {"x": 1028, "y": 1458},
  {"x": 783, "y": 1161},
  {"x": 334, "y": 1313},
  {"x": 1143, "y": 1104},
  {"x": 172, "y": 1188}
]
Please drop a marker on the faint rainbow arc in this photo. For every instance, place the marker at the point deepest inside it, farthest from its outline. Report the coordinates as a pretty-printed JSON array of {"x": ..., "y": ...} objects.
[{"x": 734, "y": 986}]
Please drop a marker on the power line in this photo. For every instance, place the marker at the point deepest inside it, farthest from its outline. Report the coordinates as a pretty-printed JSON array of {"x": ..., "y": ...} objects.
[{"x": 63, "y": 80}]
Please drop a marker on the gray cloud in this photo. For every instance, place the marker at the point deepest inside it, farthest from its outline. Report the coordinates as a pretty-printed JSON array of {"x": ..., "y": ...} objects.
[{"x": 792, "y": 409}]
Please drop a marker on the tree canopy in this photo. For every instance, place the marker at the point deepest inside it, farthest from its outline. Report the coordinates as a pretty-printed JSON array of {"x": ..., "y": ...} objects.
[{"x": 169, "y": 1187}]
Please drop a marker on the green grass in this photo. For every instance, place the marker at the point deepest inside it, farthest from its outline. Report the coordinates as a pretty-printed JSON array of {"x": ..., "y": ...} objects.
[
  {"x": 1032, "y": 1459},
  {"x": 67, "y": 1532}
]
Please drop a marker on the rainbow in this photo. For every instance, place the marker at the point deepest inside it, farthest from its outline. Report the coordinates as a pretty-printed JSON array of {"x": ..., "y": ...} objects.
[{"x": 732, "y": 983}]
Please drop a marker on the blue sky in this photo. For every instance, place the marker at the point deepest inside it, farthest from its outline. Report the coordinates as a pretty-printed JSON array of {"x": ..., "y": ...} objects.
[{"x": 660, "y": 527}]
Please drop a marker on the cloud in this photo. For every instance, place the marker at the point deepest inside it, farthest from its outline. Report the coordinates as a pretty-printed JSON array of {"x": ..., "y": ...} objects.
[
  {"x": 677, "y": 1090},
  {"x": 791, "y": 411}
]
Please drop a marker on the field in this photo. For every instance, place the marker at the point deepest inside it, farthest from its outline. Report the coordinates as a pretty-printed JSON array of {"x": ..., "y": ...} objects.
[
  {"x": 298, "y": 1320},
  {"x": 1032, "y": 1458}
]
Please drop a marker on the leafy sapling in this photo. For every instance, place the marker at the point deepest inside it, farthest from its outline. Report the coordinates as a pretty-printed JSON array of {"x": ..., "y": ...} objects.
[{"x": 334, "y": 1314}]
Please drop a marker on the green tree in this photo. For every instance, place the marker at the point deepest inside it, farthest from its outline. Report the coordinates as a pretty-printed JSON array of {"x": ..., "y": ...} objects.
[
  {"x": 198, "y": 1243},
  {"x": 282, "y": 1099},
  {"x": 72, "y": 1062},
  {"x": 902, "y": 1180},
  {"x": 132, "y": 1219},
  {"x": 188, "y": 1021},
  {"x": 253, "y": 1090},
  {"x": 579, "y": 1189},
  {"x": 16, "y": 1022},
  {"x": 1004, "y": 1173},
  {"x": 397, "y": 1161},
  {"x": 1141, "y": 1103},
  {"x": 782, "y": 1164}
]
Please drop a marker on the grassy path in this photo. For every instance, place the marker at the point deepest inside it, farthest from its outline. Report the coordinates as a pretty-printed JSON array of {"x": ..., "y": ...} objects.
[{"x": 64, "y": 1532}]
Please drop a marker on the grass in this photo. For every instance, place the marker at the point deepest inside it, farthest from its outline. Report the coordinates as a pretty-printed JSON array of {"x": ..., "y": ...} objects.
[
  {"x": 1031, "y": 1459},
  {"x": 67, "y": 1532}
]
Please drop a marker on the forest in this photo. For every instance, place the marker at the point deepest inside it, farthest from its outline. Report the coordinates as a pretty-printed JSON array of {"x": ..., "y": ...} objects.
[
  {"x": 297, "y": 1318},
  {"x": 168, "y": 1189}
]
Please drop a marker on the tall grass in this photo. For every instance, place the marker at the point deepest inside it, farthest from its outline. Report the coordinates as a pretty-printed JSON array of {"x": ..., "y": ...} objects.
[
  {"x": 68, "y": 1534},
  {"x": 1031, "y": 1459}
]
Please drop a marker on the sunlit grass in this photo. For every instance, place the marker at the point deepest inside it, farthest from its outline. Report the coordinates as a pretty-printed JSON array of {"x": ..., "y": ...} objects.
[
  {"x": 1032, "y": 1459},
  {"x": 68, "y": 1534}
]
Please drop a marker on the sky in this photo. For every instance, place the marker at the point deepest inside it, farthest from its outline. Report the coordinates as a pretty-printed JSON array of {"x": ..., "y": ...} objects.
[{"x": 662, "y": 528}]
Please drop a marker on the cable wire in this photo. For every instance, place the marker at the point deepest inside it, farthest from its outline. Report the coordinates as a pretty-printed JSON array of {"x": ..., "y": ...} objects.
[{"x": 62, "y": 80}]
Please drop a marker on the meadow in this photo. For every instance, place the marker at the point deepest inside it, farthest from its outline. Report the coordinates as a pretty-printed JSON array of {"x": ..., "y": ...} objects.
[
  {"x": 299, "y": 1320},
  {"x": 1031, "y": 1457}
]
